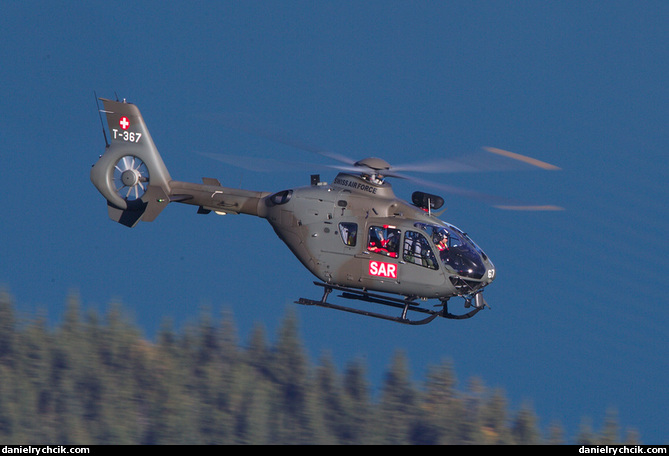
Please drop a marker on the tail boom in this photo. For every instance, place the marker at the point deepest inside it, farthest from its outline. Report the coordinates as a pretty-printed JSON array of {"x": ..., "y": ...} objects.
[{"x": 211, "y": 196}]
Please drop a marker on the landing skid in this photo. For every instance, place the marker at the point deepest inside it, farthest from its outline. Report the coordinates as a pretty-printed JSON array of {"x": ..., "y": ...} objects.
[{"x": 405, "y": 304}]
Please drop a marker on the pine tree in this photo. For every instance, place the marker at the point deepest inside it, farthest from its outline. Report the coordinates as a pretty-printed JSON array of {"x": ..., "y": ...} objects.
[
  {"x": 124, "y": 354},
  {"x": 398, "y": 405},
  {"x": 258, "y": 355},
  {"x": 332, "y": 402},
  {"x": 494, "y": 421},
  {"x": 68, "y": 371},
  {"x": 213, "y": 421},
  {"x": 610, "y": 434},
  {"x": 555, "y": 435},
  {"x": 174, "y": 409},
  {"x": 524, "y": 429},
  {"x": 632, "y": 437},
  {"x": 586, "y": 435},
  {"x": 33, "y": 396},
  {"x": 357, "y": 404},
  {"x": 7, "y": 329},
  {"x": 290, "y": 409},
  {"x": 7, "y": 414},
  {"x": 253, "y": 417},
  {"x": 442, "y": 409},
  {"x": 8, "y": 363},
  {"x": 469, "y": 420}
]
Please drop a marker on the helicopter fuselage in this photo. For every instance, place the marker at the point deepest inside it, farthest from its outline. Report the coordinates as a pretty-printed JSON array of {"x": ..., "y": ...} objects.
[{"x": 357, "y": 233}]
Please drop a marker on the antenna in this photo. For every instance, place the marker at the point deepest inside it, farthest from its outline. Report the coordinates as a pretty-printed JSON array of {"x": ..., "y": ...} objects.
[{"x": 102, "y": 124}]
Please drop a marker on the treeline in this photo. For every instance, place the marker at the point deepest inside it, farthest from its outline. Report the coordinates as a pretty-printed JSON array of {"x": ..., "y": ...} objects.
[{"x": 95, "y": 379}]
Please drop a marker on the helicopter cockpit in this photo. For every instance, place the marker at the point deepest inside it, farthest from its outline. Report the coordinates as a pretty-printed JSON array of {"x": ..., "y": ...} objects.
[{"x": 456, "y": 250}]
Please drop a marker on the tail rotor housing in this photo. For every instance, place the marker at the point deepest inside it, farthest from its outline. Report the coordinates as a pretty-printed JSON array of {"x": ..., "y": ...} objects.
[{"x": 130, "y": 174}]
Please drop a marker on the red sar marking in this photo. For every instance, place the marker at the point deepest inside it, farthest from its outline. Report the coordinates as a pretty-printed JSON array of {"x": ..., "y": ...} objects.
[{"x": 378, "y": 268}]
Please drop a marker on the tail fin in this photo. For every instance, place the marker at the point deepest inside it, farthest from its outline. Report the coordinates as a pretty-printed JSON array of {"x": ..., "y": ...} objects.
[{"x": 130, "y": 174}]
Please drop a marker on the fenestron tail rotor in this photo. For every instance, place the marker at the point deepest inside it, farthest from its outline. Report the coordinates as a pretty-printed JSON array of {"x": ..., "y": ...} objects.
[{"x": 131, "y": 177}]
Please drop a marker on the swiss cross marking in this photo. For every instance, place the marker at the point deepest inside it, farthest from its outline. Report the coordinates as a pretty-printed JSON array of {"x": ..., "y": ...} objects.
[
  {"x": 381, "y": 269},
  {"x": 124, "y": 123}
]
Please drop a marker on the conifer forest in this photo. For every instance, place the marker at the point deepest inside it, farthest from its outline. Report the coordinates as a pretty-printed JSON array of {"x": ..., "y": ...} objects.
[{"x": 95, "y": 379}]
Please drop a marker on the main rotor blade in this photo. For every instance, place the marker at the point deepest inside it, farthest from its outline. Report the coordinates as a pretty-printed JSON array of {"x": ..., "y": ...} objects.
[
  {"x": 492, "y": 200},
  {"x": 477, "y": 162},
  {"x": 262, "y": 165},
  {"x": 268, "y": 165},
  {"x": 277, "y": 136},
  {"x": 522, "y": 158}
]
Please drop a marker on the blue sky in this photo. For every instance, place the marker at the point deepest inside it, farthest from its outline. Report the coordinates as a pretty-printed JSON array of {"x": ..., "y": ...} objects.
[{"x": 579, "y": 307}]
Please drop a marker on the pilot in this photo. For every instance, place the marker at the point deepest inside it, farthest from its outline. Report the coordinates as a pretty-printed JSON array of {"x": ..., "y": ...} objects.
[{"x": 441, "y": 240}]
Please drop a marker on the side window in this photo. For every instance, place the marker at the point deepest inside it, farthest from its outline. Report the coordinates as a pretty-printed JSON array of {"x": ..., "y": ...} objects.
[
  {"x": 349, "y": 233},
  {"x": 384, "y": 240},
  {"x": 417, "y": 250}
]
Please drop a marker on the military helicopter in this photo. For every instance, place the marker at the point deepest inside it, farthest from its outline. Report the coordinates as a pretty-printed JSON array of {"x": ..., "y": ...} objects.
[{"x": 354, "y": 234}]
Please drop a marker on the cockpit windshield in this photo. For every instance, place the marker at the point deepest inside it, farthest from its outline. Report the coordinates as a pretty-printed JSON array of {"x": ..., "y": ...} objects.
[{"x": 456, "y": 250}]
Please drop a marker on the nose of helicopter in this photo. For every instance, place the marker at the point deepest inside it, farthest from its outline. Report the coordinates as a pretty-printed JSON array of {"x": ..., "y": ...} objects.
[{"x": 491, "y": 273}]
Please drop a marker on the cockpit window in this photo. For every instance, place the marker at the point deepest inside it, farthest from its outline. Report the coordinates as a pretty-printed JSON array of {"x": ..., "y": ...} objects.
[
  {"x": 417, "y": 250},
  {"x": 349, "y": 233},
  {"x": 384, "y": 240},
  {"x": 456, "y": 250}
]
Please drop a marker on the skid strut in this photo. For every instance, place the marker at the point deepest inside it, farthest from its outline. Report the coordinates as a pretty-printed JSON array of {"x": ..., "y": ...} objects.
[{"x": 406, "y": 305}]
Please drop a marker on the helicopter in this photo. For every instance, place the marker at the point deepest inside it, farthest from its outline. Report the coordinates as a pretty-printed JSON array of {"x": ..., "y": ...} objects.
[{"x": 354, "y": 235}]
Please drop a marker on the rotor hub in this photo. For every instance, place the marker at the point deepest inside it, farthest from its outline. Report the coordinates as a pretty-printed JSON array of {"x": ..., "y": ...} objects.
[
  {"x": 130, "y": 177},
  {"x": 377, "y": 164}
]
